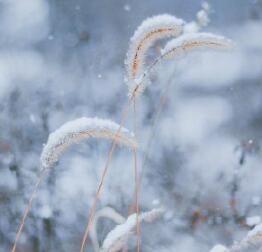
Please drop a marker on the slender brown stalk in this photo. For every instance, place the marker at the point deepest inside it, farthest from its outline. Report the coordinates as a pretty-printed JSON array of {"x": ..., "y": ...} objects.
[
  {"x": 137, "y": 202},
  {"x": 136, "y": 185},
  {"x": 105, "y": 170},
  {"x": 131, "y": 208},
  {"x": 27, "y": 209},
  {"x": 159, "y": 109}
]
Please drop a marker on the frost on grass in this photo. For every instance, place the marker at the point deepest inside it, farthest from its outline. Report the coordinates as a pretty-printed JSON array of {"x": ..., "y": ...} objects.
[
  {"x": 251, "y": 243},
  {"x": 79, "y": 129},
  {"x": 193, "y": 41},
  {"x": 106, "y": 212},
  {"x": 117, "y": 238},
  {"x": 152, "y": 29},
  {"x": 185, "y": 43}
]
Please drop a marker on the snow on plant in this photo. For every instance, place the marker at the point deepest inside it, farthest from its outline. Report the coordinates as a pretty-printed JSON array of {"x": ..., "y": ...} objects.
[
  {"x": 79, "y": 129},
  {"x": 183, "y": 44},
  {"x": 251, "y": 243},
  {"x": 106, "y": 212},
  {"x": 194, "y": 41},
  {"x": 68, "y": 134},
  {"x": 151, "y": 30},
  {"x": 117, "y": 238}
]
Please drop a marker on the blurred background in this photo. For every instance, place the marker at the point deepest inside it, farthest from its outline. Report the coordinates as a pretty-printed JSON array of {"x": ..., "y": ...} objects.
[{"x": 60, "y": 60}]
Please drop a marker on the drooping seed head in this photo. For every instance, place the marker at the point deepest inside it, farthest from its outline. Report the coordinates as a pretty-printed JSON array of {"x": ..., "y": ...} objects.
[
  {"x": 117, "y": 238},
  {"x": 79, "y": 129},
  {"x": 151, "y": 30},
  {"x": 193, "y": 41}
]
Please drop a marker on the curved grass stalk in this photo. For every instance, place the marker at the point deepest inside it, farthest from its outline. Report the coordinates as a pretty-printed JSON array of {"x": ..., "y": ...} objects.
[
  {"x": 105, "y": 170},
  {"x": 79, "y": 129},
  {"x": 117, "y": 238},
  {"x": 195, "y": 41},
  {"x": 27, "y": 209},
  {"x": 106, "y": 212},
  {"x": 179, "y": 46},
  {"x": 151, "y": 30},
  {"x": 251, "y": 243},
  {"x": 143, "y": 38},
  {"x": 68, "y": 134},
  {"x": 173, "y": 48},
  {"x": 137, "y": 87},
  {"x": 159, "y": 109}
]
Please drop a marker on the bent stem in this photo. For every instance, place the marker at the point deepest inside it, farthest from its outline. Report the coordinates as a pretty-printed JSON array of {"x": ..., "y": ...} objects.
[
  {"x": 105, "y": 170},
  {"x": 27, "y": 209}
]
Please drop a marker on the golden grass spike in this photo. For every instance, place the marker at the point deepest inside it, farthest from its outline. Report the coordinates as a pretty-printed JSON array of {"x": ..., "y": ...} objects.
[
  {"x": 152, "y": 29},
  {"x": 193, "y": 41},
  {"x": 178, "y": 46}
]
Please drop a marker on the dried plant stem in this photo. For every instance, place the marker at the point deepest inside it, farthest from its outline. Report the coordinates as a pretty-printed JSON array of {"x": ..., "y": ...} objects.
[
  {"x": 151, "y": 30},
  {"x": 125, "y": 248},
  {"x": 136, "y": 185},
  {"x": 131, "y": 210},
  {"x": 159, "y": 109},
  {"x": 27, "y": 209},
  {"x": 108, "y": 160},
  {"x": 136, "y": 188},
  {"x": 131, "y": 207},
  {"x": 137, "y": 202},
  {"x": 97, "y": 196},
  {"x": 181, "y": 45}
]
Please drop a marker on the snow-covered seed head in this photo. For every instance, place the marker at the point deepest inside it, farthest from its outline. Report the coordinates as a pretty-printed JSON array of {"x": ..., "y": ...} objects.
[
  {"x": 152, "y": 29},
  {"x": 117, "y": 238},
  {"x": 106, "y": 212},
  {"x": 192, "y": 41},
  {"x": 79, "y": 129},
  {"x": 151, "y": 215}
]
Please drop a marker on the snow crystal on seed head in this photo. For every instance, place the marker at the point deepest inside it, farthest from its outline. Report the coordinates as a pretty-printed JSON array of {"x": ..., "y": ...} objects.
[
  {"x": 191, "y": 41},
  {"x": 152, "y": 29},
  {"x": 74, "y": 131}
]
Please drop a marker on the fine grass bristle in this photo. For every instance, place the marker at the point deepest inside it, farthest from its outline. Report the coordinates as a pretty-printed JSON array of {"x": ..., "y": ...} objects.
[
  {"x": 151, "y": 30},
  {"x": 80, "y": 129}
]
